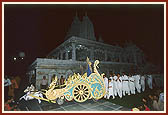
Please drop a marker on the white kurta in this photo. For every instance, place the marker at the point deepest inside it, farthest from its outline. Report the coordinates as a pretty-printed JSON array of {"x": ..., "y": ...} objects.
[
  {"x": 110, "y": 89},
  {"x": 161, "y": 102},
  {"x": 106, "y": 86},
  {"x": 137, "y": 84},
  {"x": 119, "y": 89},
  {"x": 115, "y": 85},
  {"x": 150, "y": 81},
  {"x": 143, "y": 83},
  {"x": 125, "y": 85},
  {"x": 131, "y": 85}
]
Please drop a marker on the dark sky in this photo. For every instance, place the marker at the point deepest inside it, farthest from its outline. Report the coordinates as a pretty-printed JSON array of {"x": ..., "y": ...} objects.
[{"x": 38, "y": 29}]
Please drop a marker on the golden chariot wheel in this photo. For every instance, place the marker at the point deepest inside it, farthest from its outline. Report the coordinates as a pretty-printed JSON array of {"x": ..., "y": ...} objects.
[{"x": 81, "y": 92}]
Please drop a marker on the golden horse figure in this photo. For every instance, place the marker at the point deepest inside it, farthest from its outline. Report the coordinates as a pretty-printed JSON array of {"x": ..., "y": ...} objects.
[{"x": 77, "y": 87}]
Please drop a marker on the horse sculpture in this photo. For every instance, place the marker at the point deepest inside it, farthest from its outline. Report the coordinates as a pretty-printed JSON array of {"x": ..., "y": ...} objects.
[{"x": 30, "y": 93}]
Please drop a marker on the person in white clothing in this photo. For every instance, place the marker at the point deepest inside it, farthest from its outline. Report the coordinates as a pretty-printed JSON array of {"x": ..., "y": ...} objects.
[
  {"x": 106, "y": 86},
  {"x": 110, "y": 89},
  {"x": 125, "y": 88},
  {"x": 131, "y": 84},
  {"x": 44, "y": 83},
  {"x": 119, "y": 83},
  {"x": 161, "y": 101},
  {"x": 137, "y": 83},
  {"x": 115, "y": 84},
  {"x": 150, "y": 81},
  {"x": 111, "y": 77},
  {"x": 142, "y": 83},
  {"x": 7, "y": 84}
]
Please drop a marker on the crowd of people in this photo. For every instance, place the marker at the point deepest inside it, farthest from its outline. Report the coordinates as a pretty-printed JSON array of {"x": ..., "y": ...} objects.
[
  {"x": 125, "y": 84},
  {"x": 44, "y": 82},
  {"x": 121, "y": 85},
  {"x": 11, "y": 88},
  {"x": 116, "y": 85},
  {"x": 152, "y": 102}
]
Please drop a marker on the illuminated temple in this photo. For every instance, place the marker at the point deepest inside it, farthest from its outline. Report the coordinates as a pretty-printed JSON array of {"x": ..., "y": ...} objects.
[{"x": 80, "y": 43}]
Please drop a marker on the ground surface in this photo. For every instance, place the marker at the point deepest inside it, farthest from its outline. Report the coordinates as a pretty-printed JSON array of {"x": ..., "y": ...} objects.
[
  {"x": 117, "y": 104},
  {"x": 131, "y": 101},
  {"x": 89, "y": 105}
]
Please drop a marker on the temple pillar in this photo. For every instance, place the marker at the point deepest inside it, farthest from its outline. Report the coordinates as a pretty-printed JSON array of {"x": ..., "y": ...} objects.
[
  {"x": 73, "y": 52},
  {"x": 66, "y": 55},
  {"x": 61, "y": 55},
  {"x": 57, "y": 56}
]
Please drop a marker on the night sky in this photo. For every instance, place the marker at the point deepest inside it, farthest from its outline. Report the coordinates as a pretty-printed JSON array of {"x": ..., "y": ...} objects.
[{"x": 38, "y": 29}]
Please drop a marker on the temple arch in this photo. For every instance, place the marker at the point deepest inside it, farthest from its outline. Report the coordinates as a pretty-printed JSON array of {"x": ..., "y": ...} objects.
[
  {"x": 52, "y": 73},
  {"x": 68, "y": 73}
]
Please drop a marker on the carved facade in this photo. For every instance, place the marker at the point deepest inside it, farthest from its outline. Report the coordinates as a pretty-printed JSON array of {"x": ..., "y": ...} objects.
[{"x": 80, "y": 43}]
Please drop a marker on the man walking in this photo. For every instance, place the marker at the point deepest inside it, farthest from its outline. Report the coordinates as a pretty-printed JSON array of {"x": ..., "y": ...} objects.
[
  {"x": 106, "y": 86},
  {"x": 119, "y": 82},
  {"x": 125, "y": 84},
  {"x": 137, "y": 83},
  {"x": 131, "y": 84},
  {"x": 143, "y": 82},
  {"x": 150, "y": 81},
  {"x": 110, "y": 89},
  {"x": 115, "y": 89}
]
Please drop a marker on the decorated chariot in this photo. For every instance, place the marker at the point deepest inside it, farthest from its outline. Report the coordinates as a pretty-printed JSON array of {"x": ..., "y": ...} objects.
[{"x": 77, "y": 87}]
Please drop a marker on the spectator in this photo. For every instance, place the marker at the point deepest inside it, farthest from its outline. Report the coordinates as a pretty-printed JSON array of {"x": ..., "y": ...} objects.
[
  {"x": 149, "y": 80},
  {"x": 146, "y": 108},
  {"x": 33, "y": 80},
  {"x": 16, "y": 92},
  {"x": 62, "y": 81},
  {"x": 7, "y": 83},
  {"x": 58, "y": 82},
  {"x": 44, "y": 83},
  {"x": 17, "y": 78},
  {"x": 53, "y": 78},
  {"x": 161, "y": 102},
  {"x": 10, "y": 105},
  {"x": 148, "y": 102},
  {"x": 155, "y": 104},
  {"x": 13, "y": 87}
]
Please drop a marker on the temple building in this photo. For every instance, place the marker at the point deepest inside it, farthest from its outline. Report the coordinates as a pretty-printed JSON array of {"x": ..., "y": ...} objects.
[{"x": 80, "y": 43}]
